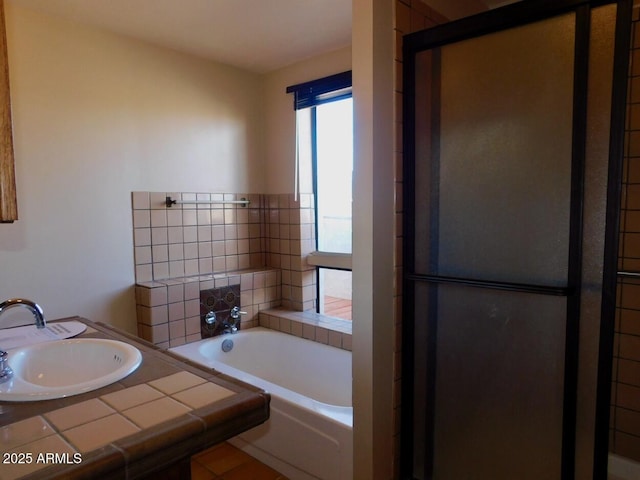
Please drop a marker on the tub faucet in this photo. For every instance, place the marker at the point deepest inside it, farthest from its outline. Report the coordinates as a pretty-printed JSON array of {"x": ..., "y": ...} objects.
[
  {"x": 231, "y": 326},
  {"x": 5, "y": 370}
]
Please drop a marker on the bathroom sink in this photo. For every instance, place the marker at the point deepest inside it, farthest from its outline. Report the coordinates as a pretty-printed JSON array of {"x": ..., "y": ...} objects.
[{"x": 63, "y": 368}]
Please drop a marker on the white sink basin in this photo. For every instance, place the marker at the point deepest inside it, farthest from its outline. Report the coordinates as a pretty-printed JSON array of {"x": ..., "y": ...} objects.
[{"x": 63, "y": 368}]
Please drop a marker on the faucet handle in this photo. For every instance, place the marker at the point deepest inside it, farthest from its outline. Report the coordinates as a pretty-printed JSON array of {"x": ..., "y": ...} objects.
[
  {"x": 5, "y": 370},
  {"x": 210, "y": 318},
  {"x": 236, "y": 312}
]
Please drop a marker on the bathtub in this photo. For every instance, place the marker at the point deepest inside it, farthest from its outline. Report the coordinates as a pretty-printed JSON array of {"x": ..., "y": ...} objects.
[
  {"x": 621, "y": 468},
  {"x": 309, "y": 433}
]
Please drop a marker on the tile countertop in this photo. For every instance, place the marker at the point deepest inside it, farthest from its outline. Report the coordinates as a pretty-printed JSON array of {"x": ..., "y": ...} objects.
[{"x": 147, "y": 423}]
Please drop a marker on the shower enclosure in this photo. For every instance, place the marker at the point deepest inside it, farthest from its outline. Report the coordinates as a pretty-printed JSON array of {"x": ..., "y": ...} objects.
[{"x": 513, "y": 134}]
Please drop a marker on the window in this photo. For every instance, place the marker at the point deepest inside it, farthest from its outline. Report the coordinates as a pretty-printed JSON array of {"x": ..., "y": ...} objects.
[{"x": 324, "y": 110}]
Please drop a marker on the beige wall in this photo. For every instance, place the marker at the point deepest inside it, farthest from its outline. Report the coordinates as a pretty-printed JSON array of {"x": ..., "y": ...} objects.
[
  {"x": 280, "y": 128},
  {"x": 373, "y": 223},
  {"x": 97, "y": 116}
]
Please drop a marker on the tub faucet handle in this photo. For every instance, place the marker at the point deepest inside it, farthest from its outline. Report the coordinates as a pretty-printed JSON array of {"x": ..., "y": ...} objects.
[
  {"x": 236, "y": 312},
  {"x": 210, "y": 318}
]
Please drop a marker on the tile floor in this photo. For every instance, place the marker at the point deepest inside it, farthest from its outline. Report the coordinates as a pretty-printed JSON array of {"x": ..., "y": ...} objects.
[{"x": 226, "y": 462}]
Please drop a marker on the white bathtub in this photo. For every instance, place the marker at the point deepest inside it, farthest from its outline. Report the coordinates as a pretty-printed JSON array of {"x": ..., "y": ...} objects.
[{"x": 309, "y": 432}]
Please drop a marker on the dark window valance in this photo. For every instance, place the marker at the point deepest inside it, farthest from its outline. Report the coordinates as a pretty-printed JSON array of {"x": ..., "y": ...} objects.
[{"x": 323, "y": 90}]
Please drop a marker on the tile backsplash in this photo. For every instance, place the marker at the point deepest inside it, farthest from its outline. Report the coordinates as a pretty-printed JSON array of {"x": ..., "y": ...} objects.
[
  {"x": 185, "y": 248},
  {"x": 190, "y": 239}
]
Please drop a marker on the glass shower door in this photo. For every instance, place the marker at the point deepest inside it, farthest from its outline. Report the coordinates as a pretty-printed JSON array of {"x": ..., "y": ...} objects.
[{"x": 500, "y": 188}]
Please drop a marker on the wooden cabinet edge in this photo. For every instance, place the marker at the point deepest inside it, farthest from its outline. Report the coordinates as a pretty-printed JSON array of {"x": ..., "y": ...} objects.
[{"x": 8, "y": 198}]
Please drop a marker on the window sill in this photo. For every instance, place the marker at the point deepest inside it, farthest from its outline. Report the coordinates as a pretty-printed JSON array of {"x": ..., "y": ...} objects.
[{"x": 341, "y": 261}]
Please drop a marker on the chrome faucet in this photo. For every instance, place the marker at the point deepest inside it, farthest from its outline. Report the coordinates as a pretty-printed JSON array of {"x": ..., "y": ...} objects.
[
  {"x": 234, "y": 316},
  {"x": 5, "y": 370},
  {"x": 230, "y": 325},
  {"x": 32, "y": 306}
]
